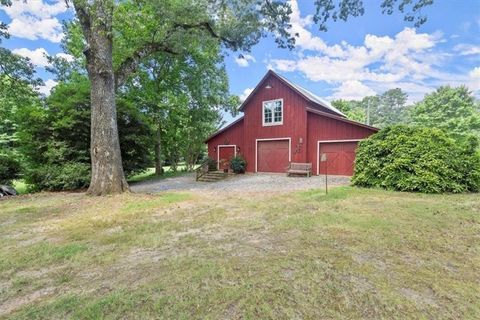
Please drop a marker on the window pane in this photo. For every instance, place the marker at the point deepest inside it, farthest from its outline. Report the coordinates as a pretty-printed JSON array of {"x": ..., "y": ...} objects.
[
  {"x": 278, "y": 111},
  {"x": 267, "y": 113}
]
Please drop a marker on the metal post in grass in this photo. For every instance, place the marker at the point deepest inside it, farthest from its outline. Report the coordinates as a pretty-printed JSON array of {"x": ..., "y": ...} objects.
[{"x": 323, "y": 158}]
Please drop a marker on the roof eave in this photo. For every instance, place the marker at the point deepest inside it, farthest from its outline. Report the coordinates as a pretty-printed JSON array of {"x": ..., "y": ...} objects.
[
  {"x": 223, "y": 129},
  {"x": 329, "y": 115}
]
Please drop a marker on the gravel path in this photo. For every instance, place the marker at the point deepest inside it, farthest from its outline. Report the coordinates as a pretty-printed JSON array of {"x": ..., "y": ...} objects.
[{"x": 242, "y": 183}]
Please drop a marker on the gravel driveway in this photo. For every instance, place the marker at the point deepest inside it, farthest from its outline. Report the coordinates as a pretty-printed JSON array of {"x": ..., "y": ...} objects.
[{"x": 242, "y": 183}]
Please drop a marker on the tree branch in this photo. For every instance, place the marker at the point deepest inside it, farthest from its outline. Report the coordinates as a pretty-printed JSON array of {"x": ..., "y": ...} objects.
[
  {"x": 205, "y": 25},
  {"x": 130, "y": 64}
]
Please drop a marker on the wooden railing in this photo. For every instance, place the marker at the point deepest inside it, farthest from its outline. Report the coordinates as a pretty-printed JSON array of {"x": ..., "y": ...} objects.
[{"x": 203, "y": 169}]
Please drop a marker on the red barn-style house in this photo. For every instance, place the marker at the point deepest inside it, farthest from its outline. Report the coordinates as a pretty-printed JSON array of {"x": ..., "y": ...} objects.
[{"x": 285, "y": 123}]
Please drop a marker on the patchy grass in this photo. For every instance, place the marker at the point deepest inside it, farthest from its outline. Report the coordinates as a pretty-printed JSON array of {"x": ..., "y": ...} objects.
[
  {"x": 149, "y": 174},
  {"x": 355, "y": 253}
]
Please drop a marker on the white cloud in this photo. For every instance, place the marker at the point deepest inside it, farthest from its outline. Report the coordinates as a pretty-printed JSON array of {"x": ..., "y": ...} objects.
[
  {"x": 467, "y": 49},
  {"x": 352, "y": 90},
  {"x": 378, "y": 59},
  {"x": 245, "y": 94},
  {"x": 243, "y": 61},
  {"x": 66, "y": 56},
  {"x": 35, "y": 19},
  {"x": 475, "y": 79},
  {"x": 409, "y": 60},
  {"x": 39, "y": 56},
  {"x": 47, "y": 87}
]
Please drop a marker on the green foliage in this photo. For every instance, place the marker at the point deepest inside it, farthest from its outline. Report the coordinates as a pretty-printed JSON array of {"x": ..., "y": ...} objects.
[
  {"x": 183, "y": 96},
  {"x": 352, "y": 109},
  {"x": 55, "y": 138},
  {"x": 453, "y": 110},
  {"x": 385, "y": 109},
  {"x": 238, "y": 164},
  {"x": 58, "y": 176},
  {"x": 212, "y": 164},
  {"x": 9, "y": 168},
  {"x": 417, "y": 159}
]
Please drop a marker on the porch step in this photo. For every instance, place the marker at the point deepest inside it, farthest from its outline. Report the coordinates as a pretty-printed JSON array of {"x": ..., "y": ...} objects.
[{"x": 214, "y": 176}]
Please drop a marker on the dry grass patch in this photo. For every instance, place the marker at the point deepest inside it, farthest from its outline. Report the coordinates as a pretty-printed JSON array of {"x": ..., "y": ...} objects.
[{"x": 352, "y": 254}]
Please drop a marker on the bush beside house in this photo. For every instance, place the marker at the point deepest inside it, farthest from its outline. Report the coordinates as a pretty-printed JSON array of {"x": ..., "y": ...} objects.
[
  {"x": 417, "y": 159},
  {"x": 238, "y": 164}
]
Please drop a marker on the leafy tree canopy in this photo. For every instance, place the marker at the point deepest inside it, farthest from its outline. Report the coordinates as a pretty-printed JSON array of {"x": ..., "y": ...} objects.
[{"x": 453, "y": 110}]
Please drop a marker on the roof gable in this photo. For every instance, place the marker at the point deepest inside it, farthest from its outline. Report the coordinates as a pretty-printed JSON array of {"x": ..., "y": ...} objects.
[{"x": 307, "y": 95}]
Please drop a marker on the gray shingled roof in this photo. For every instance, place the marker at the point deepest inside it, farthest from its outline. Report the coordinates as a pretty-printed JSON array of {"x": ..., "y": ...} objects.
[{"x": 312, "y": 97}]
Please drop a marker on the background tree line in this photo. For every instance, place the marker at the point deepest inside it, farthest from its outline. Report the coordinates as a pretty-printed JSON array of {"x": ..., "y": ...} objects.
[{"x": 452, "y": 109}]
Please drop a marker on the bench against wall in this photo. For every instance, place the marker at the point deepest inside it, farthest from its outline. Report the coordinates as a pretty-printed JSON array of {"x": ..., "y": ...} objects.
[{"x": 299, "y": 168}]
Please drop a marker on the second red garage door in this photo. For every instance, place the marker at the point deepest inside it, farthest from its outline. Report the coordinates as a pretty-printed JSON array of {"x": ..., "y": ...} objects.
[
  {"x": 340, "y": 158},
  {"x": 272, "y": 155}
]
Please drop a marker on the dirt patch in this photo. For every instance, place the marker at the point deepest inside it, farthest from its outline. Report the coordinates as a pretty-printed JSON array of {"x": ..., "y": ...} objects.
[
  {"x": 426, "y": 297},
  {"x": 363, "y": 258},
  {"x": 13, "y": 304}
]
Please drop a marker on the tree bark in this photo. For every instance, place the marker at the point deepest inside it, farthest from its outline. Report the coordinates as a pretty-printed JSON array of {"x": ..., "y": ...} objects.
[
  {"x": 107, "y": 170},
  {"x": 158, "y": 152}
]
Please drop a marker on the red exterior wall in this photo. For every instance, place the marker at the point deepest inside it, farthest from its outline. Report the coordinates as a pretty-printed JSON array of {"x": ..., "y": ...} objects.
[
  {"x": 324, "y": 128},
  {"x": 232, "y": 135},
  {"x": 294, "y": 120}
]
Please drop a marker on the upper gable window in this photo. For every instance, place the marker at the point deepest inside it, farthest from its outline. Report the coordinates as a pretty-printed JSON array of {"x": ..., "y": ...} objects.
[{"x": 273, "y": 112}]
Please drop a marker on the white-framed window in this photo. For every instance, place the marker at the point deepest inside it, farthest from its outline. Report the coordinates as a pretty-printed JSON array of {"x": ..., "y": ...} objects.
[{"x": 272, "y": 112}]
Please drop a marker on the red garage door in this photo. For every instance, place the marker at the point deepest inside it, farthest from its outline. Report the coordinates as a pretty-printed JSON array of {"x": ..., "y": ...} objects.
[
  {"x": 225, "y": 154},
  {"x": 340, "y": 158},
  {"x": 272, "y": 156}
]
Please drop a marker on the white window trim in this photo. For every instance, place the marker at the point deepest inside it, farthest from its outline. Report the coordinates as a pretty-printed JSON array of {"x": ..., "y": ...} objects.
[
  {"x": 273, "y": 114},
  {"x": 272, "y": 139},
  {"x": 234, "y": 146},
  {"x": 330, "y": 141}
]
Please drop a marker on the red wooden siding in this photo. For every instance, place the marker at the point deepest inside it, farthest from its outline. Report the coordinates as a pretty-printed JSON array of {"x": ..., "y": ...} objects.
[
  {"x": 231, "y": 136},
  {"x": 321, "y": 128},
  {"x": 340, "y": 158},
  {"x": 294, "y": 120},
  {"x": 272, "y": 155}
]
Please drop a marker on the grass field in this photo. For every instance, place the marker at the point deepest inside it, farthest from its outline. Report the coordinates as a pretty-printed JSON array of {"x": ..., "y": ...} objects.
[{"x": 355, "y": 253}]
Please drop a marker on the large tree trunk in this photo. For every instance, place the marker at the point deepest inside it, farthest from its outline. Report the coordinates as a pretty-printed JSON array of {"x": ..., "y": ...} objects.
[
  {"x": 158, "y": 152},
  {"x": 107, "y": 170}
]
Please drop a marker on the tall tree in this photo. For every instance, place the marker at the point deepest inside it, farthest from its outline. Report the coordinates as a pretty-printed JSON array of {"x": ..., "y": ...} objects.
[
  {"x": 182, "y": 95},
  {"x": 389, "y": 108},
  {"x": 453, "y": 110}
]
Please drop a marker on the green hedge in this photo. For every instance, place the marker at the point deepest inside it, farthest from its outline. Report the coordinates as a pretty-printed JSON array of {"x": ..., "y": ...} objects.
[
  {"x": 9, "y": 168},
  {"x": 55, "y": 177},
  {"x": 417, "y": 159}
]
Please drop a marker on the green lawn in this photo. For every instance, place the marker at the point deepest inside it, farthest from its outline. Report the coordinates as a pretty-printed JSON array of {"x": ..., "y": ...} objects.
[{"x": 355, "y": 253}]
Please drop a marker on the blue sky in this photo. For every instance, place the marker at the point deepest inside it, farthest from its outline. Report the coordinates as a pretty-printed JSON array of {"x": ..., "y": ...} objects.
[{"x": 364, "y": 56}]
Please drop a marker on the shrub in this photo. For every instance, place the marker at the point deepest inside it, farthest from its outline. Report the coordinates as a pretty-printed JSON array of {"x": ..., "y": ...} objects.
[
  {"x": 238, "y": 164},
  {"x": 212, "y": 164},
  {"x": 9, "y": 168},
  {"x": 55, "y": 177},
  {"x": 417, "y": 159}
]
